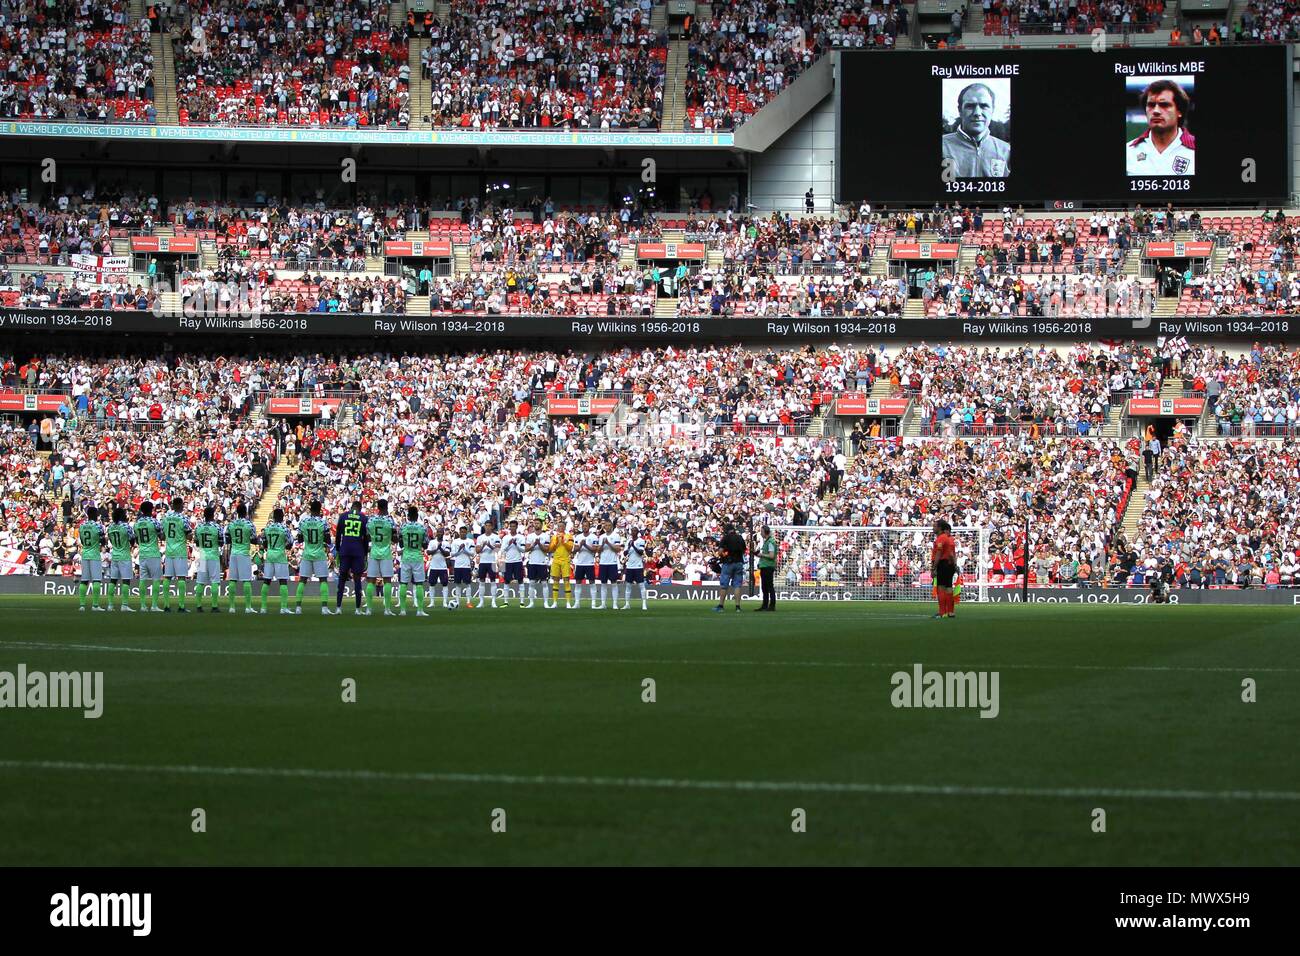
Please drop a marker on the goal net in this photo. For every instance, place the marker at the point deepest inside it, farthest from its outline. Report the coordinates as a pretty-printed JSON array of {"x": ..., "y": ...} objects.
[{"x": 873, "y": 564}]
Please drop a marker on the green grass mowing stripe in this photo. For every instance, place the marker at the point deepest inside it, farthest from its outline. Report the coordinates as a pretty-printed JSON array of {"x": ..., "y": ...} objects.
[
  {"x": 650, "y": 662},
  {"x": 662, "y": 783}
]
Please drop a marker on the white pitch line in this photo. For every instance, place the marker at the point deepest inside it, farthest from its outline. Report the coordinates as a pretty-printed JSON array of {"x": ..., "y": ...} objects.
[
  {"x": 659, "y": 783},
  {"x": 639, "y": 661}
]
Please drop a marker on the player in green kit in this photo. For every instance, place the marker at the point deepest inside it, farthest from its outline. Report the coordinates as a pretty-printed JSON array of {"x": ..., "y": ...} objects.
[
  {"x": 380, "y": 530},
  {"x": 414, "y": 537},
  {"x": 275, "y": 559},
  {"x": 314, "y": 534},
  {"x": 176, "y": 557},
  {"x": 91, "y": 537},
  {"x": 148, "y": 539},
  {"x": 241, "y": 535},
  {"x": 120, "y": 571},
  {"x": 208, "y": 541}
]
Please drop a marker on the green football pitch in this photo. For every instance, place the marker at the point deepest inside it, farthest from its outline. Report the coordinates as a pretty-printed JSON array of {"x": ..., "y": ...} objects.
[{"x": 536, "y": 723}]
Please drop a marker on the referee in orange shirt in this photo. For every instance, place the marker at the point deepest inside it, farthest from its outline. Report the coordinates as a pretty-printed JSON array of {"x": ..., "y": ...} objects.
[{"x": 943, "y": 567}]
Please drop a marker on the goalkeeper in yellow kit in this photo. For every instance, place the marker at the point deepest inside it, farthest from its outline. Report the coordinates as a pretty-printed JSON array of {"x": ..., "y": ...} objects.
[{"x": 561, "y": 551}]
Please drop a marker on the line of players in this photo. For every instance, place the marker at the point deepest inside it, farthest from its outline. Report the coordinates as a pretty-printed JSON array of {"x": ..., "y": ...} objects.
[{"x": 536, "y": 562}]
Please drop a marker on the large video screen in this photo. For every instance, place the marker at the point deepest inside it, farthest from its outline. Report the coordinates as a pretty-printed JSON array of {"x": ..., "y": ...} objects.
[{"x": 1037, "y": 126}]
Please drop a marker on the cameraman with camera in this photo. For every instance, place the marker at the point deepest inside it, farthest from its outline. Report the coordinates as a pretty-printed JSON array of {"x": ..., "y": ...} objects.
[{"x": 731, "y": 566}]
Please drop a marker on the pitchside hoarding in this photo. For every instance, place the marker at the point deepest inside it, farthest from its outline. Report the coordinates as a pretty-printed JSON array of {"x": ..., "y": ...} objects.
[
  {"x": 645, "y": 328},
  {"x": 708, "y": 593}
]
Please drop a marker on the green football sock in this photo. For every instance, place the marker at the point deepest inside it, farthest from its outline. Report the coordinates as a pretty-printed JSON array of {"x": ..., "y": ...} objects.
[
  {"x": 81, "y": 593},
  {"x": 180, "y": 592},
  {"x": 302, "y": 586},
  {"x": 324, "y": 593},
  {"x": 370, "y": 594},
  {"x": 419, "y": 597},
  {"x": 401, "y": 596},
  {"x": 266, "y": 589},
  {"x": 284, "y": 596},
  {"x": 248, "y": 595}
]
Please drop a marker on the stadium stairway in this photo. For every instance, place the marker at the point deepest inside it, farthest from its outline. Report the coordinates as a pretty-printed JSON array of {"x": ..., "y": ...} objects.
[
  {"x": 627, "y": 256},
  {"x": 442, "y": 11},
  {"x": 659, "y": 17},
  {"x": 1114, "y": 421},
  {"x": 914, "y": 308},
  {"x": 666, "y": 308},
  {"x": 417, "y": 305},
  {"x": 170, "y": 302},
  {"x": 967, "y": 256},
  {"x": 462, "y": 260},
  {"x": 421, "y": 89},
  {"x": 881, "y": 388},
  {"x": 880, "y": 259},
  {"x": 1136, "y": 505},
  {"x": 1166, "y": 306},
  {"x": 397, "y": 14},
  {"x": 271, "y": 493},
  {"x": 1219, "y": 258},
  {"x": 1207, "y": 426},
  {"x": 674, "y": 111},
  {"x": 1171, "y": 388},
  {"x": 164, "y": 90}
]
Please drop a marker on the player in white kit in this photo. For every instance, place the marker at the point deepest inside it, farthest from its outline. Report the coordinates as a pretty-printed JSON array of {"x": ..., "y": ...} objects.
[
  {"x": 486, "y": 546},
  {"x": 634, "y": 568},
  {"x": 611, "y": 554},
  {"x": 584, "y": 565},
  {"x": 462, "y": 567},
  {"x": 512, "y": 558},
  {"x": 439, "y": 570},
  {"x": 539, "y": 564}
]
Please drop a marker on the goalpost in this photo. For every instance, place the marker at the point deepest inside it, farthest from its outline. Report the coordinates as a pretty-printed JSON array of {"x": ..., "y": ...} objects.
[{"x": 873, "y": 563}]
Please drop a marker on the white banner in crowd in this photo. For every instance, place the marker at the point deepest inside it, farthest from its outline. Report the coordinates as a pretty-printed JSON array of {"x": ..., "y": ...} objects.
[
  {"x": 99, "y": 268},
  {"x": 13, "y": 561}
]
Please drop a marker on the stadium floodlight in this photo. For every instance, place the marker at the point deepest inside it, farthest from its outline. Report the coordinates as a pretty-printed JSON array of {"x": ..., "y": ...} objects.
[{"x": 873, "y": 563}]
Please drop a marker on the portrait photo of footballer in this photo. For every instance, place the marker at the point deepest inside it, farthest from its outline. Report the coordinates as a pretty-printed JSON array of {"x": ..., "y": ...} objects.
[
  {"x": 977, "y": 128},
  {"x": 1159, "y": 142}
]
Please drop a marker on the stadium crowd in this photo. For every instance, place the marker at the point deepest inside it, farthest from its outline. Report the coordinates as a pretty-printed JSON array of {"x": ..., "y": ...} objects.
[
  {"x": 704, "y": 435},
  {"x": 567, "y": 64},
  {"x": 81, "y": 60},
  {"x": 1220, "y": 514},
  {"x": 745, "y": 54},
  {"x": 968, "y": 390},
  {"x": 239, "y": 64}
]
